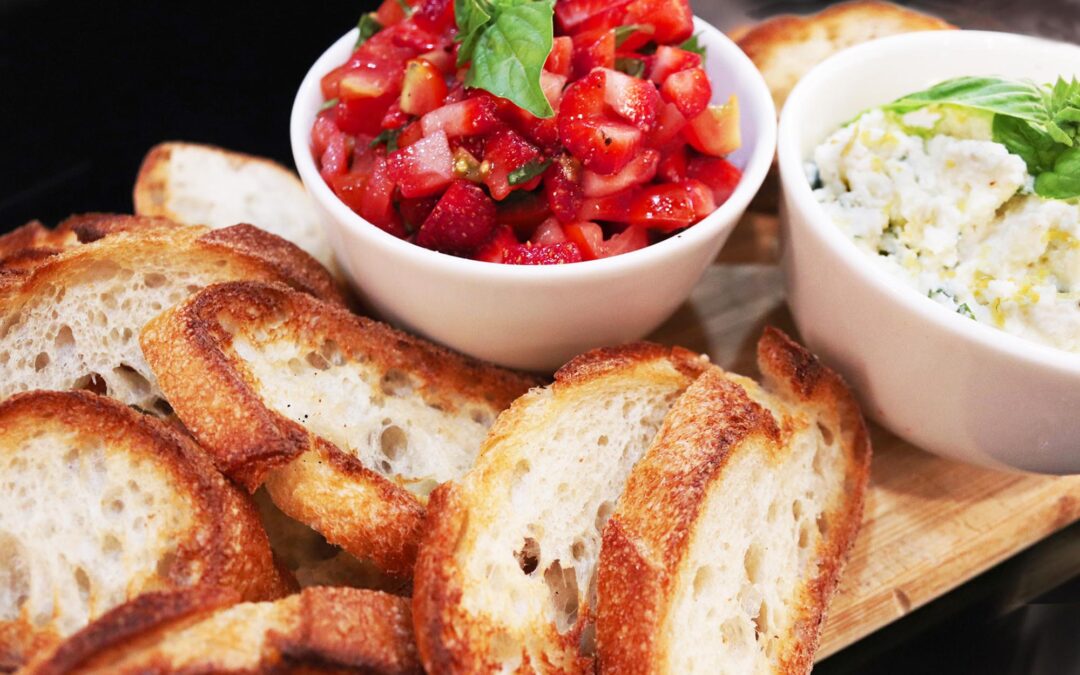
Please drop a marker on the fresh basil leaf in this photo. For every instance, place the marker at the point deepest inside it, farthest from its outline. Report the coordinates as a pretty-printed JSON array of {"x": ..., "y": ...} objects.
[
  {"x": 1063, "y": 182},
  {"x": 624, "y": 32},
  {"x": 328, "y": 104},
  {"x": 368, "y": 26},
  {"x": 510, "y": 53},
  {"x": 630, "y": 65},
  {"x": 526, "y": 172},
  {"x": 387, "y": 136},
  {"x": 470, "y": 16},
  {"x": 692, "y": 45},
  {"x": 1014, "y": 98},
  {"x": 1018, "y": 136}
]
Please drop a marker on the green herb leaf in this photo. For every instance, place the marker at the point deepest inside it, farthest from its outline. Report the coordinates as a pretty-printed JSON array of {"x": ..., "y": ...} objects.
[
  {"x": 526, "y": 172},
  {"x": 692, "y": 45},
  {"x": 387, "y": 136},
  {"x": 963, "y": 310},
  {"x": 328, "y": 104},
  {"x": 624, "y": 32},
  {"x": 1015, "y": 98},
  {"x": 368, "y": 26},
  {"x": 510, "y": 52},
  {"x": 1018, "y": 136},
  {"x": 405, "y": 7},
  {"x": 630, "y": 65},
  {"x": 1063, "y": 182},
  {"x": 471, "y": 15}
]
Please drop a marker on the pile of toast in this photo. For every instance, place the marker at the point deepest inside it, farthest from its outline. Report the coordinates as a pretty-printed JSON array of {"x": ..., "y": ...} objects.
[{"x": 211, "y": 462}]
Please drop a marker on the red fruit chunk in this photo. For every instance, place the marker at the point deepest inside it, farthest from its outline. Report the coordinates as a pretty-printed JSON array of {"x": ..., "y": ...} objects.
[
  {"x": 442, "y": 59},
  {"x": 668, "y": 125},
  {"x": 588, "y": 237},
  {"x": 502, "y": 239},
  {"x": 672, "y": 20},
  {"x": 662, "y": 207},
  {"x": 701, "y": 197},
  {"x": 363, "y": 115},
  {"x": 549, "y": 254},
  {"x": 434, "y": 16},
  {"x": 603, "y": 145},
  {"x": 559, "y": 61},
  {"x": 593, "y": 49},
  {"x": 668, "y": 60},
  {"x": 424, "y": 168},
  {"x": 716, "y": 130},
  {"x": 576, "y": 15},
  {"x": 395, "y": 117},
  {"x": 632, "y": 99},
  {"x": 323, "y": 132},
  {"x": 506, "y": 151},
  {"x": 423, "y": 88},
  {"x": 415, "y": 211},
  {"x": 689, "y": 90},
  {"x": 461, "y": 222},
  {"x": 613, "y": 208},
  {"x": 630, "y": 239},
  {"x": 673, "y": 164},
  {"x": 719, "y": 174},
  {"x": 464, "y": 118},
  {"x": 523, "y": 211},
  {"x": 390, "y": 12},
  {"x": 410, "y": 134},
  {"x": 377, "y": 205},
  {"x": 548, "y": 232},
  {"x": 641, "y": 169},
  {"x": 562, "y": 188},
  {"x": 335, "y": 159}
]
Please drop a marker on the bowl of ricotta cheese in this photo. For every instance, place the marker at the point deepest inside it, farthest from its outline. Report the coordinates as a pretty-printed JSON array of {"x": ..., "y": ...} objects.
[{"x": 932, "y": 239}]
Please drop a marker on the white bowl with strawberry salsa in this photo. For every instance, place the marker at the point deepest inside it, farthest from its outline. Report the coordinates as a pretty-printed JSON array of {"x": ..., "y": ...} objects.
[{"x": 603, "y": 214}]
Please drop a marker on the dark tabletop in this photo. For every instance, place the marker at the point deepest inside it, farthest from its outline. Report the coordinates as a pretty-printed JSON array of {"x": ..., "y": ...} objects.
[{"x": 87, "y": 87}]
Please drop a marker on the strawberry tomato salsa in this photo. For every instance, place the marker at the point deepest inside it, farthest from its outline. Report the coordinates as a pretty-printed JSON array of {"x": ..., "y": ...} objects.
[{"x": 527, "y": 131}]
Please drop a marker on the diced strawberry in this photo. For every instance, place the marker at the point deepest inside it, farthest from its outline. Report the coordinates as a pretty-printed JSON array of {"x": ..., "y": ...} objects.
[
  {"x": 576, "y": 15},
  {"x": 523, "y": 211},
  {"x": 548, "y": 232},
  {"x": 504, "y": 152},
  {"x": 641, "y": 169},
  {"x": 410, "y": 134},
  {"x": 415, "y": 211},
  {"x": 349, "y": 187},
  {"x": 423, "y": 168},
  {"x": 663, "y": 207},
  {"x": 603, "y": 145},
  {"x": 673, "y": 20},
  {"x": 613, "y": 208},
  {"x": 335, "y": 159},
  {"x": 390, "y": 12},
  {"x": 461, "y": 222},
  {"x": 442, "y": 59},
  {"x": 365, "y": 97},
  {"x": 395, "y": 117},
  {"x": 329, "y": 82},
  {"x": 562, "y": 188},
  {"x": 673, "y": 164},
  {"x": 719, "y": 174},
  {"x": 323, "y": 132},
  {"x": 549, "y": 254},
  {"x": 552, "y": 86},
  {"x": 465, "y": 118},
  {"x": 434, "y": 16},
  {"x": 716, "y": 130},
  {"x": 559, "y": 61},
  {"x": 423, "y": 88},
  {"x": 376, "y": 204},
  {"x": 593, "y": 49},
  {"x": 668, "y": 60},
  {"x": 701, "y": 197},
  {"x": 500, "y": 242},
  {"x": 689, "y": 90},
  {"x": 632, "y": 99},
  {"x": 630, "y": 239},
  {"x": 589, "y": 238},
  {"x": 668, "y": 125}
]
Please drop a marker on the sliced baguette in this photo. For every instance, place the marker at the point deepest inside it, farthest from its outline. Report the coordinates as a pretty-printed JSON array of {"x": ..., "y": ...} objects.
[
  {"x": 785, "y": 47},
  {"x": 73, "y": 320},
  {"x": 505, "y": 577},
  {"x": 349, "y": 422},
  {"x": 204, "y": 185},
  {"x": 24, "y": 247},
  {"x": 100, "y": 503},
  {"x": 319, "y": 630},
  {"x": 727, "y": 544}
]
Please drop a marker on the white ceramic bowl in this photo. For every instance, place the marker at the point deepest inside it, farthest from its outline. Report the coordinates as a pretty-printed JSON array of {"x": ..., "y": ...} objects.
[
  {"x": 527, "y": 317},
  {"x": 946, "y": 383}
]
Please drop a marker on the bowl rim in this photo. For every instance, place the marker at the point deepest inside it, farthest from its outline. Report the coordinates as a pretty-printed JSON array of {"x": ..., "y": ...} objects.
[
  {"x": 699, "y": 234},
  {"x": 798, "y": 193}
]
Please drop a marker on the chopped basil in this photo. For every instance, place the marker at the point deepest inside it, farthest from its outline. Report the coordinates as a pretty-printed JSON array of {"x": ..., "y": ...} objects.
[
  {"x": 964, "y": 310},
  {"x": 630, "y": 65},
  {"x": 623, "y": 32},
  {"x": 526, "y": 172},
  {"x": 387, "y": 136},
  {"x": 328, "y": 104},
  {"x": 691, "y": 45},
  {"x": 368, "y": 26}
]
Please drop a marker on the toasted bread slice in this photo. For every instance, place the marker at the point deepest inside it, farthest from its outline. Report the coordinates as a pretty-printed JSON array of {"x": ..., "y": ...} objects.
[
  {"x": 319, "y": 630},
  {"x": 505, "y": 577},
  {"x": 25, "y": 246},
  {"x": 727, "y": 544},
  {"x": 73, "y": 320},
  {"x": 100, "y": 503},
  {"x": 204, "y": 185},
  {"x": 785, "y": 47},
  {"x": 349, "y": 422}
]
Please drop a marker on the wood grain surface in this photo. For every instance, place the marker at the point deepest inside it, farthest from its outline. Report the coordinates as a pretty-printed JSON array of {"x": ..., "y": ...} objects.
[{"x": 930, "y": 524}]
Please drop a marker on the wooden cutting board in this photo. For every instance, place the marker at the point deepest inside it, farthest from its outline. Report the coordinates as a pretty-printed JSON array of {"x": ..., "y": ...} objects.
[{"x": 930, "y": 524}]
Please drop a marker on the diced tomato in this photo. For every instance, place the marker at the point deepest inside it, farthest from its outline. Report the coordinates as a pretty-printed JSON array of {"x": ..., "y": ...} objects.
[
  {"x": 461, "y": 222},
  {"x": 464, "y": 118},
  {"x": 632, "y": 99},
  {"x": 630, "y": 239},
  {"x": 673, "y": 20},
  {"x": 335, "y": 158},
  {"x": 497, "y": 246},
  {"x": 423, "y": 168},
  {"x": 716, "y": 130},
  {"x": 689, "y": 90},
  {"x": 641, "y": 169},
  {"x": 423, "y": 88},
  {"x": 593, "y": 49},
  {"x": 505, "y": 152},
  {"x": 668, "y": 60},
  {"x": 663, "y": 207},
  {"x": 588, "y": 237},
  {"x": 562, "y": 187},
  {"x": 548, "y": 232},
  {"x": 434, "y": 16},
  {"x": 390, "y": 12},
  {"x": 576, "y": 15},
  {"x": 558, "y": 253},
  {"x": 612, "y": 208},
  {"x": 672, "y": 166},
  {"x": 560, "y": 60},
  {"x": 719, "y": 174},
  {"x": 523, "y": 211},
  {"x": 668, "y": 125},
  {"x": 701, "y": 197}
]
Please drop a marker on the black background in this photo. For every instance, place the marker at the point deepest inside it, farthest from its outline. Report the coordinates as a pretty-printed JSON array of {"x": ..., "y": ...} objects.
[{"x": 86, "y": 88}]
